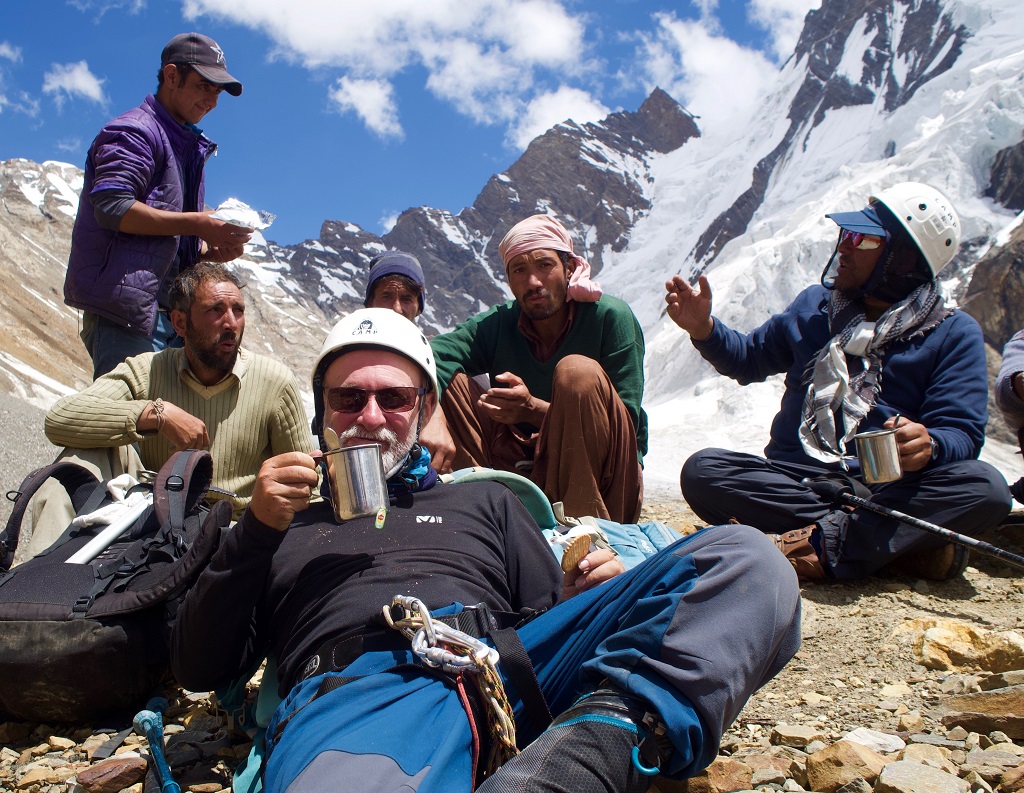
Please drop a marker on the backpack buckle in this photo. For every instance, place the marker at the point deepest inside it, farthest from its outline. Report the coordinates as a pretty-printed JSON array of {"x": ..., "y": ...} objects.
[{"x": 82, "y": 604}]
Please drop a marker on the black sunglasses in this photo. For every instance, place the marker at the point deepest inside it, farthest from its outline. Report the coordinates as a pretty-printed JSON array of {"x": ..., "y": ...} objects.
[{"x": 396, "y": 399}]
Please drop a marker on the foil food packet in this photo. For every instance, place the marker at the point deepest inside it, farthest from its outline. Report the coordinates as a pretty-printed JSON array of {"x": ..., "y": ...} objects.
[{"x": 242, "y": 215}]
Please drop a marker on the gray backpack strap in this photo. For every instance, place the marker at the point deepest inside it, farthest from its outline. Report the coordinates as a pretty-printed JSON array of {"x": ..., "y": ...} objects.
[
  {"x": 180, "y": 486},
  {"x": 72, "y": 476}
]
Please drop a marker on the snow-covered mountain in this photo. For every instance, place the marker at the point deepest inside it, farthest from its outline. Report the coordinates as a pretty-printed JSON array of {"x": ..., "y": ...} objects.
[{"x": 874, "y": 93}]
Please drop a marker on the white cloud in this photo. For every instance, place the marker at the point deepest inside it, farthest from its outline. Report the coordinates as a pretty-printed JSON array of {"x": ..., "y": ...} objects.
[
  {"x": 68, "y": 80},
  {"x": 388, "y": 220},
  {"x": 101, "y": 7},
  {"x": 19, "y": 102},
  {"x": 373, "y": 101},
  {"x": 536, "y": 32},
  {"x": 481, "y": 56},
  {"x": 9, "y": 52},
  {"x": 783, "y": 19},
  {"x": 501, "y": 62},
  {"x": 713, "y": 76},
  {"x": 553, "y": 107},
  {"x": 70, "y": 145}
]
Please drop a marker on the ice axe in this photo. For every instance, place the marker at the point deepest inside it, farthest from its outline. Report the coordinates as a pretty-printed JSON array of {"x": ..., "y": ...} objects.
[
  {"x": 840, "y": 491},
  {"x": 150, "y": 723}
]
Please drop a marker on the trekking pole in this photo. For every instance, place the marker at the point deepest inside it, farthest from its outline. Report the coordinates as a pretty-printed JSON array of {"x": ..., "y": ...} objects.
[
  {"x": 109, "y": 535},
  {"x": 150, "y": 723},
  {"x": 841, "y": 493}
]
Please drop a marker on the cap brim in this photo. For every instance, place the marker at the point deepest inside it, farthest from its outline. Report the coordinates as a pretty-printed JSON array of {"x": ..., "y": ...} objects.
[
  {"x": 219, "y": 76},
  {"x": 862, "y": 222}
]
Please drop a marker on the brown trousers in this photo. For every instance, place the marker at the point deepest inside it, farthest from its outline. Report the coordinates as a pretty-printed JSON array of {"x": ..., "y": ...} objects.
[{"x": 584, "y": 455}]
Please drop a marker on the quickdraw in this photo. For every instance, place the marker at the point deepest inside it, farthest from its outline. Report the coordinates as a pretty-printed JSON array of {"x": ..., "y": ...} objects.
[{"x": 440, "y": 646}]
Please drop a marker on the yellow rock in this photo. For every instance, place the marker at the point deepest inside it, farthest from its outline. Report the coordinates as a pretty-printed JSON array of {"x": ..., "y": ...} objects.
[
  {"x": 841, "y": 763},
  {"x": 950, "y": 645}
]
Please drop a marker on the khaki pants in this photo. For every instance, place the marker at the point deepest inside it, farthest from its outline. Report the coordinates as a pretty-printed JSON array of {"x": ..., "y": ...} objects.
[
  {"x": 51, "y": 511},
  {"x": 584, "y": 454}
]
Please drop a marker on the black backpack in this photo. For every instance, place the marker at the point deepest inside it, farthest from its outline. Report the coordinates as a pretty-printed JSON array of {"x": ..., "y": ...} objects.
[{"x": 79, "y": 642}]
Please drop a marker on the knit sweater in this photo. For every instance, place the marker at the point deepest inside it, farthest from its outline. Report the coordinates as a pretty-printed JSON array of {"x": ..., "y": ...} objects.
[
  {"x": 606, "y": 331},
  {"x": 253, "y": 414}
]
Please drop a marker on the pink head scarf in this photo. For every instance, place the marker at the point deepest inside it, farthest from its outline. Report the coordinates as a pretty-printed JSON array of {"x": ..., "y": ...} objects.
[{"x": 543, "y": 231}]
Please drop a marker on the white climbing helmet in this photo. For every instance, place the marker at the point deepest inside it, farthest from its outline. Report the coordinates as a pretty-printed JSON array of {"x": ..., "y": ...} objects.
[
  {"x": 377, "y": 328},
  {"x": 928, "y": 217},
  {"x": 371, "y": 328}
]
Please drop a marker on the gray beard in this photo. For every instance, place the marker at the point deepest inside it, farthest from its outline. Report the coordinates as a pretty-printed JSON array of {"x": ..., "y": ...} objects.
[{"x": 392, "y": 457}]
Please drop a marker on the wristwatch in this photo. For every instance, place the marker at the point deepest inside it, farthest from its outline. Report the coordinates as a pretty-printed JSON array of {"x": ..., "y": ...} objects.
[{"x": 935, "y": 447}]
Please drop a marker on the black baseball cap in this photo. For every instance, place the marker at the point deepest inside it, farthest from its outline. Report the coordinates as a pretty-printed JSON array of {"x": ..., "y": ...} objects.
[{"x": 202, "y": 54}]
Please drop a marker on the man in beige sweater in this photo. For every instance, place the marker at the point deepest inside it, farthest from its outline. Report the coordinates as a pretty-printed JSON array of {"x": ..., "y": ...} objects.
[{"x": 212, "y": 394}]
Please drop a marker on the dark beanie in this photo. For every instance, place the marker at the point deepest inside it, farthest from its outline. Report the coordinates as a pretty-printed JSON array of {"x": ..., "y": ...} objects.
[{"x": 395, "y": 263}]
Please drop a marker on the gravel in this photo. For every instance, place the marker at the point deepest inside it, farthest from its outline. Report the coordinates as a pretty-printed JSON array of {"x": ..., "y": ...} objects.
[{"x": 854, "y": 669}]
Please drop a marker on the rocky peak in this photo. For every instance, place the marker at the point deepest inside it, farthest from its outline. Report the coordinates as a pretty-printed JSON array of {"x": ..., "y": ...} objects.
[
  {"x": 595, "y": 175},
  {"x": 1006, "y": 180}
]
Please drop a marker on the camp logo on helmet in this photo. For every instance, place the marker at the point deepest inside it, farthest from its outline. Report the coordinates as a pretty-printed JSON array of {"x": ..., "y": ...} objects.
[{"x": 364, "y": 328}]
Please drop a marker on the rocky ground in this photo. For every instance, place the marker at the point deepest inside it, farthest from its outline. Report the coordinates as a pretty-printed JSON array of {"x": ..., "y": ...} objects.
[{"x": 896, "y": 666}]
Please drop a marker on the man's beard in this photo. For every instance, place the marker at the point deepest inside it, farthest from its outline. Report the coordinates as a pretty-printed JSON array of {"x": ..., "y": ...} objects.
[
  {"x": 538, "y": 313},
  {"x": 393, "y": 451},
  {"x": 208, "y": 354}
]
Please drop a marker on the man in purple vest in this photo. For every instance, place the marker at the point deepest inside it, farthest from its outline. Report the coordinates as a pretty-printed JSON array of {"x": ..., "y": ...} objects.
[{"x": 141, "y": 216}]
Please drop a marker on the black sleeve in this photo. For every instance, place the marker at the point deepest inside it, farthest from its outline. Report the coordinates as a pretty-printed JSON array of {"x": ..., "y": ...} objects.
[
  {"x": 534, "y": 576},
  {"x": 217, "y": 634}
]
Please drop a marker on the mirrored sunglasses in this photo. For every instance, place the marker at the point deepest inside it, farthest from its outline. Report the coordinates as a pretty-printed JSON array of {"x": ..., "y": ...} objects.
[
  {"x": 862, "y": 242},
  {"x": 396, "y": 399}
]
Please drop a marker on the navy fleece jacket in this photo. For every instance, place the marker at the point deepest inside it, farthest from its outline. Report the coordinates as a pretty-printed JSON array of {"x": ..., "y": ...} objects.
[{"x": 939, "y": 380}]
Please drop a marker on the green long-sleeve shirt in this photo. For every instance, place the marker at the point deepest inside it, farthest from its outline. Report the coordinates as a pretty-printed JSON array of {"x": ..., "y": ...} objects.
[
  {"x": 606, "y": 331},
  {"x": 253, "y": 414}
]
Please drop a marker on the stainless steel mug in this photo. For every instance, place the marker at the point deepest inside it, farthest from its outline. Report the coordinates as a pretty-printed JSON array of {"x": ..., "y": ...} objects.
[
  {"x": 355, "y": 475},
  {"x": 879, "y": 456}
]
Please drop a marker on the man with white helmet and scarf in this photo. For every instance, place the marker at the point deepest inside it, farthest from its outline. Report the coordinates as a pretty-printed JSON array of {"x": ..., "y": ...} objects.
[
  {"x": 643, "y": 669},
  {"x": 874, "y": 346},
  {"x": 566, "y": 371}
]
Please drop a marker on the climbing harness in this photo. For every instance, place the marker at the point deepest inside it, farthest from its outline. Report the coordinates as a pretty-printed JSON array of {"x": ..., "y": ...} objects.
[{"x": 450, "y": 650}]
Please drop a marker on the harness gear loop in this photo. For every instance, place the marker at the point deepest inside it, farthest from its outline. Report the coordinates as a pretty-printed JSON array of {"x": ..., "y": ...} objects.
[{"x": 440, "y": 646}]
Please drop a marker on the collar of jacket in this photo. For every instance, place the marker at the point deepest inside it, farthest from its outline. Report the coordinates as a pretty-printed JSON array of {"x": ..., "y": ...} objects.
[{"x": 182, "y": 136}]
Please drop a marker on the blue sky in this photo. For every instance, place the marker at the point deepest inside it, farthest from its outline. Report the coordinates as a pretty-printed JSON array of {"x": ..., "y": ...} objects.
[{"x": 356, "y": 110}]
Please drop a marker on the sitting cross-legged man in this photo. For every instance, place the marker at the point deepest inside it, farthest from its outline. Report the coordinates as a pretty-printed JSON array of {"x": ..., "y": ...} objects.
[
  {"x": 874, "y": 346},
  {"x": 566, "y": 369}
]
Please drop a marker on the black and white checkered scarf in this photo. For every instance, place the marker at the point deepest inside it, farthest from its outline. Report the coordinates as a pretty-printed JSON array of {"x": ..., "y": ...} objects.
[{"x": 837, "y": 398}]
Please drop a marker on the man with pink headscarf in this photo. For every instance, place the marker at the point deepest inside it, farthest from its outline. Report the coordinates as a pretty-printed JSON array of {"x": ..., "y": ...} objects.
[{"x": 565, "y": 365}]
